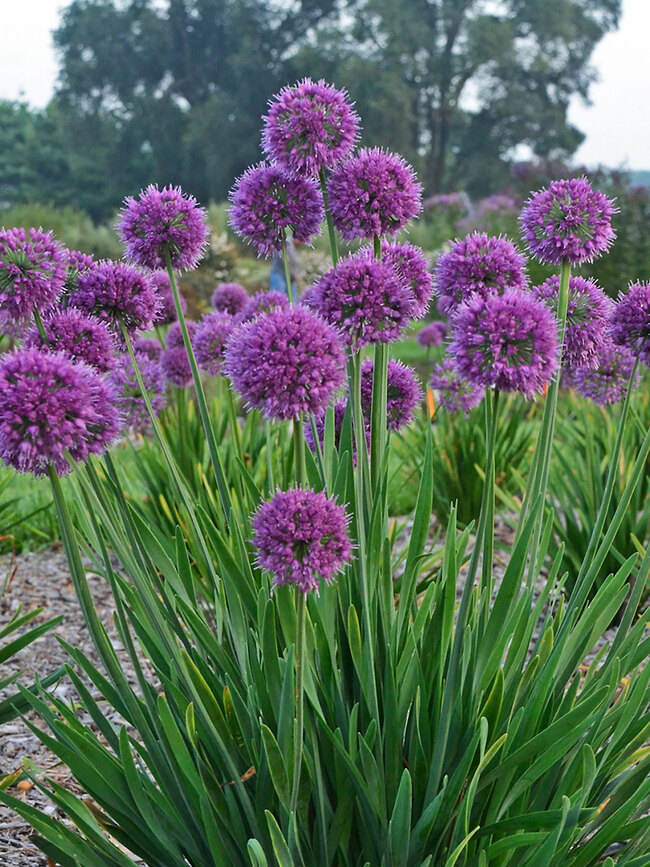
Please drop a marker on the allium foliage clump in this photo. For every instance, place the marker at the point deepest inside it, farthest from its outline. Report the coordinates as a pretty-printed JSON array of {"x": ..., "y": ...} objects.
[
  {"x": 80, "y": 337},
  {"x": 118, "y": 294},
  {"x": 403, "y": 389},
  {"x": 32, "y": 272},
  {"x": 630, "y": 323}
]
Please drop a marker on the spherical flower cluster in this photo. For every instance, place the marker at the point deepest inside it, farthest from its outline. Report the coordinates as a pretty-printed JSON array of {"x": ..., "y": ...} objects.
[
  {"x": 364, "y": 298},
  {"x": 209, "y": 341},
  {"x": 481, "y": 265},
  {"x": 587, "y": 318},
  {"x": 403, "y": 389},
  {"x": 374, "y": 193},
  {"x": 286, "y": 363},
  {"x": 301, "y": 538},
  {"x": 569, "y": 220},
  {"x": 432, "y": 334},
  {"x": 148, "y": 346},
  {"x": 163, "y": 287},
  {"x": 162, "y": 223},
  {"x": 174, "y": 336},
  {"x": 266, "y": 203},
  {"x": 174, "y": 360},
  {"x": 52, "y": 407},
  {"x": 262, "y": 302},
  {"x": 230, "y": 298},
  {"x": 508, "y": 341},
  {"x": 606, "y": 383},
  {"x": 310, "y": 126},
  {"x": 76, "y": 263},
  {"x": 130, "y": 401},
  {"x": 630, "y": 326},
  {"x": 32, "y": 272},
  {"x": 412, "y": 266},
  {"x": 455, "y": 394},
  {"x": 80, "y": 337},
  {"x": 117, "y": 294}
]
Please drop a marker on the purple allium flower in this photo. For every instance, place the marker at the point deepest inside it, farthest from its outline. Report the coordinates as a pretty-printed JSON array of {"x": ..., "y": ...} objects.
[
  {"x": 51, "y": 406},
  {"x": 262, "y": 302},
  {"x": 310, "y": 126},
  {"x": 230, "y": 298},
  {"x": 455, "y": 394},
  {"x": 80, "y": 337},
  {"x": 130, "y": 401},
  {"x": 116, "y": 292},
  {"x": 32, "y": 272},
  {"x": 76, "y": 263},
  {"x": 478, "y": 265},
  {"x": 286, "y": 362},
  {"x": 587, "y": 318},
  {"x": 301, "y": 537},
  {"x": 364, "y": 298},
  {"x": 209, "y": 341},
  {"x": 607, "y": 382},
  {"x": 569, "y": 220},
  {"x": 404, "y": 392},
  {"x": 163, "y": 287},
  {"x": 175, "y": 365},
  {"x": 148, "y": 346},
  {"x": 630, "y": 323},
  {"x": 412, "y": 267},
  {"x": 266, "y": 203},
  {"x": 374, "y": 193},
  {"x": 174, "y": 336},
  {"x": 508, "y": 341},
  {"x": 432, "y": 334},
  {"x": 161, "y": 222}
]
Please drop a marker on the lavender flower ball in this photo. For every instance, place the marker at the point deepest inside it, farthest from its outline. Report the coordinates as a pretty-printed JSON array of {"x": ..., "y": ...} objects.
[
  {"x": 76, "y": 263},
  {"x": 210, "y": 340},
  {"x": 374, "y": 193},
  {"x": 412, "y": 267},
  {"x": 262, "y": 302},
  {"x": 404, "y": 393},
  {"x": 163, "y": 287},
  {"x": 80, "y": 337},
  {"x": 630, "y": 323},
  {"x": 117, "y": 293},
  {"x": 364, "y": 299},
  {"x": 432, "y": 334},
  {"x": 478, "y": 265},
  {"x": 32, "y": 272},
  {"x": 508, "y": 341},
  {"x": 161, "y": 223},
  {"x": 311, "y": 126},
  {"x": 267, "y": 203},
  {"x": 52, "y": 406},
  {"x": 175, "y": 364},
  {"x": 148, "y": 346},
  {"x": 301, "y": 538},
  {"x": 455, "y": 394},
  {"x": 174, "y": 336},
  {"x": 607, "y": 382},
  {"x": 587, "y": 318},
  {"x": 130, "y": 401},
  {"x": 230, "y": 298},
  {"x": 286, "y": 363},
  {"x": 568, "y": 221}
]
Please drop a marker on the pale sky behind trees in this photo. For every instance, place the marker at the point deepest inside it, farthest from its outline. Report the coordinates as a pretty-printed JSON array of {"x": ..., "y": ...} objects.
[{"x": 617, "y": 124}]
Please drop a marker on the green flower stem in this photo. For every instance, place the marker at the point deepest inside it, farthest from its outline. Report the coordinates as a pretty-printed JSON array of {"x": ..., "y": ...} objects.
[
  {"x": 233, "y": 421},
  {"x": 300, "y": 466},
  {"x": 269, "y": 457},
  {"x": 301, "y": 604},
  {"x": 287, "y": 270},
  {"x": 217, "y": 466},
  {"x": 379, "y": 401},
  {"x": 39, "y": 324},
  {"x": 491, "y": 418},
  {"x": 328, "y": 217}
]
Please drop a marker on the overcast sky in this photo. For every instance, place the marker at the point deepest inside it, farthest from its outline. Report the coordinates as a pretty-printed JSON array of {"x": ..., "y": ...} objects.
[{"x": 617, "y": 124}]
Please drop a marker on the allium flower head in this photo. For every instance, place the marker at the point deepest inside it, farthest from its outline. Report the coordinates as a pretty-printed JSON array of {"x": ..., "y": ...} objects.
[
  {"x": 587, "y": 318},
  {"x": 174, "y": 336},
  {"x": 310, "y": 126},
  {"x": 76, "y": 263},
  {"x": 130, "y": 401},
  {"x": 455, "y": 394},
  {"x": 80, "y": 337},
  {"x": 117, "y": 293},
  {"x": 607, "y": 382},
  {"x": 508, "y": 341},
  {"x": 373, "y": 193},
  {"x": 230, "y": 298},
  {"x": 404, "y": 392},
  {"x": 267, "y": 203},
  {"x": 286, "y": 362},
  {"x": 412, "y": 267},
  {"x": 301, "y": 538},
  {"x": 209, "y": 341},
  {"x": 161, "y": 222},
  {"x": 569, "y": 220},
  {"x": 175, "y": 365},
  {"x": 163, "y": 287},
  {"x": 32, "y": 272},
  {"x": 481, "y": 265},
  {"x": 51, "y": 406},
  {"x": 630, "y": 326},
  {"x": 262, "y": 302},
  {"x": 148, "y": 346},
  {"x": 364, "y": 298},
  {"x": 432, "y": 334}
]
